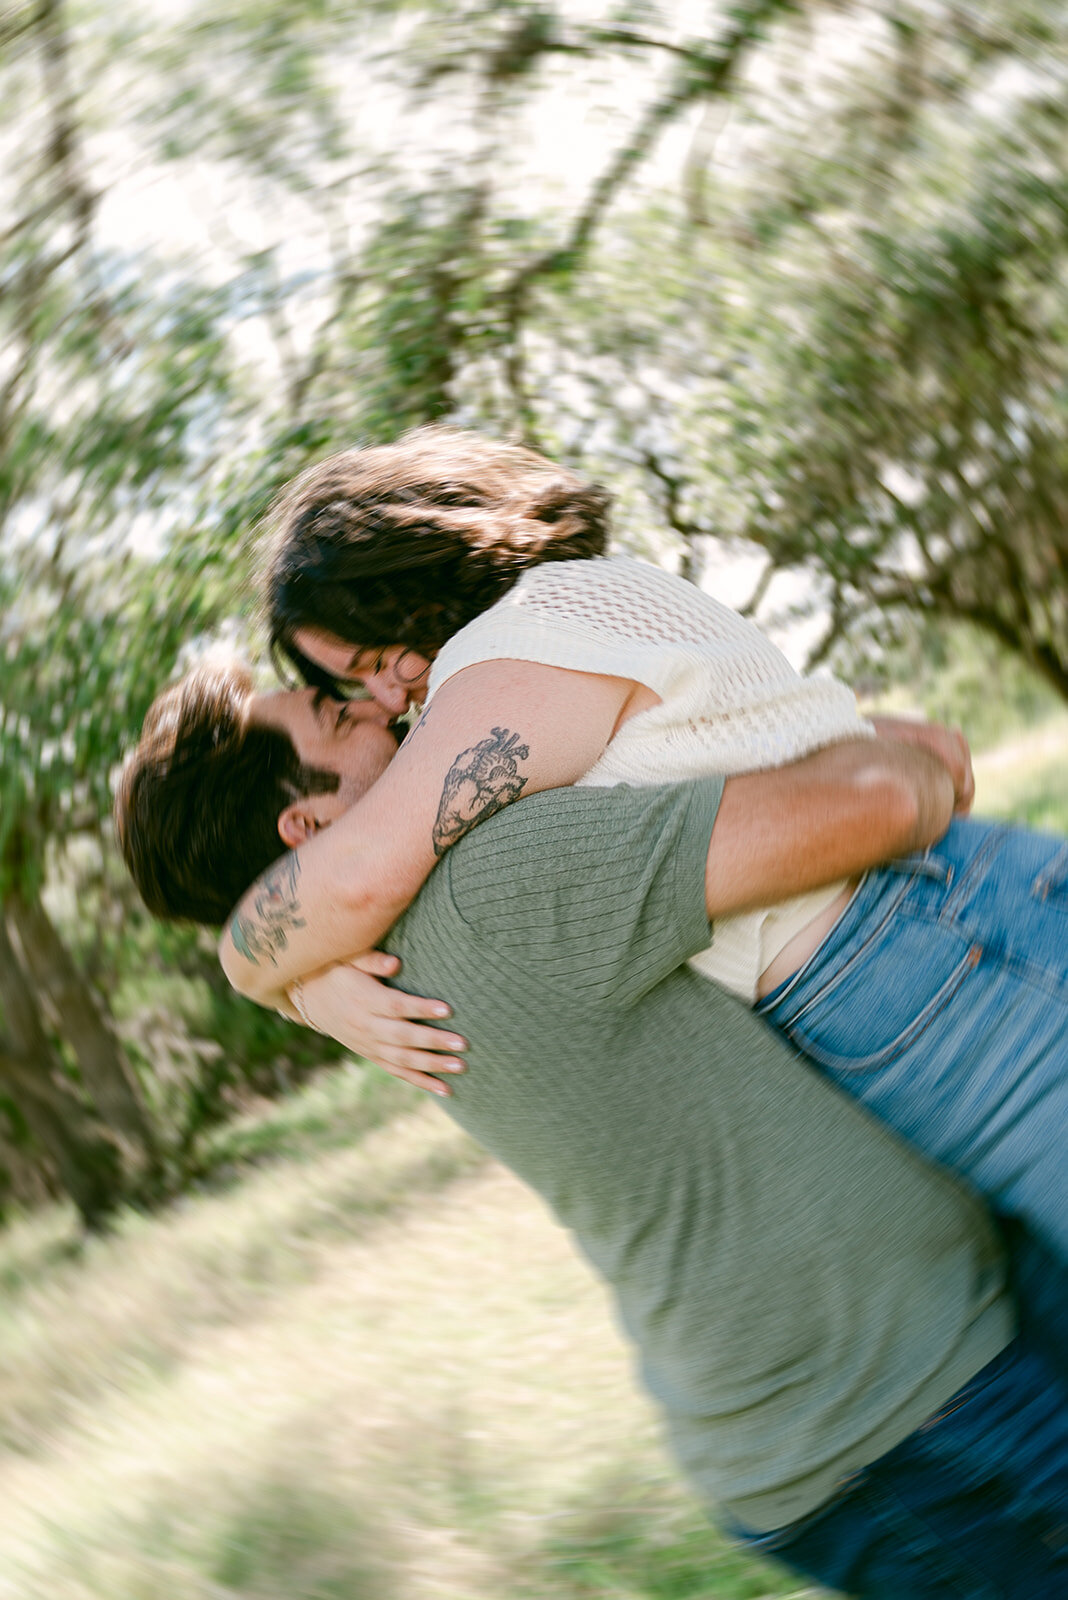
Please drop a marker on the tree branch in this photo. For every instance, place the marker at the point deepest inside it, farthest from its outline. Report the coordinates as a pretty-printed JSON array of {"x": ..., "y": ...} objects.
[
  {"x": 63, "y": 150},
  {"x": 594, "y": 39},
  {"x": 672, "y": 487},
  {"x": 705, "y": 71},
  {"x": 16, "y": 23},
  {"x": 760, "y": 590}
]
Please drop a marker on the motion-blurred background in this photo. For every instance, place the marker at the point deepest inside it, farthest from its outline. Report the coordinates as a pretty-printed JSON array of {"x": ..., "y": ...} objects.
[{"x": 791, "y": 279}]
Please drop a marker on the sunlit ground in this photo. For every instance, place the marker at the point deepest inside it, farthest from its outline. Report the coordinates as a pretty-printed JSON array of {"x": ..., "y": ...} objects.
[{"x": 372, "y": 1372}]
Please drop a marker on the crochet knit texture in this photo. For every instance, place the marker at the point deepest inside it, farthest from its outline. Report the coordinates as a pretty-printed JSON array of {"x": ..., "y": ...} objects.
[{"x": 730, "y": 701}]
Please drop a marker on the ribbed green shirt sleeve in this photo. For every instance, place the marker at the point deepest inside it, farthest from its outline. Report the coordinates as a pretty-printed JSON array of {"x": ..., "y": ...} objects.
[{"x": 612, "y": 898}]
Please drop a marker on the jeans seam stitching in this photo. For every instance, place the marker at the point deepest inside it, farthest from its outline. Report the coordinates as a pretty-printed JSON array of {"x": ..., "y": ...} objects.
[
  {"x": 904, "y": 1040},
  {"x": 1056, "y": 872},
  {"x": 992, "y": 845},
  {"x": 833, "y": 983}
]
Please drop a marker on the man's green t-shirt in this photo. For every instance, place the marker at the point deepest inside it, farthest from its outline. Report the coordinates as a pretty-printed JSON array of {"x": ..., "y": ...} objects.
[{"x": 802, "y": 1290}]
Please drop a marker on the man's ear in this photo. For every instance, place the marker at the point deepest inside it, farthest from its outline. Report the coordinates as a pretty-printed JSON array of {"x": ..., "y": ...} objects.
[{"x": 298, "y": 822}]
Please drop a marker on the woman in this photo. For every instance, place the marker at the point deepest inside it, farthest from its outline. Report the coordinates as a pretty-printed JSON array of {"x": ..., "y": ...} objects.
[{"x": 936, "y": 992}]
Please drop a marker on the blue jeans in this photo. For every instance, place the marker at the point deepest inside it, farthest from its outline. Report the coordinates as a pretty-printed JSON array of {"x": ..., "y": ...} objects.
[
  {"x": 940, "y": 1000},
  {"x": 972, "y": 1506}
]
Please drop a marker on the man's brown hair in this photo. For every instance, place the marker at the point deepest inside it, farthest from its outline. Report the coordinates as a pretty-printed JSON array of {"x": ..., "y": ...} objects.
[
  {"x": 406, "y": 543},
  {"x": 199, "y": 798}
]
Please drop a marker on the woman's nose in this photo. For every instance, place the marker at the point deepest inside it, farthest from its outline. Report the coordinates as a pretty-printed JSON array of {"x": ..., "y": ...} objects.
[
  {"x": 369, "y": 711},
  {"x": 385, "y": 688}
]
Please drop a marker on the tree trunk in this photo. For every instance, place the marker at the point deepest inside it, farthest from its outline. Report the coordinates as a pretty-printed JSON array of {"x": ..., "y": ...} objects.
[
  {"x": 78, "y": 1018},
  {"x": 28, "y": 1177},
  {"x": 85, "y": 1162}
]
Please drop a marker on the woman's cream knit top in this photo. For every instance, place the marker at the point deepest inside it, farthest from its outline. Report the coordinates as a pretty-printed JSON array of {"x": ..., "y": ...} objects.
[{"x": 730, "y": 702}]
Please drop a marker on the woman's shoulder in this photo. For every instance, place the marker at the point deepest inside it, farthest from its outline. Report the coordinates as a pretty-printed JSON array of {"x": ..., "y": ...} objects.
[
  {"x": 623, "y": 593},
  {"x": 616, "y": 579},
  {"x": 599, "y": 572},
  {"x": 588, "y": 615},
  {"x": 600, "y": 615}
]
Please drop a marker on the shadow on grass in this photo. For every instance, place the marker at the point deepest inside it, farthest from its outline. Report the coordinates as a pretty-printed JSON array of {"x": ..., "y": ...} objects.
[
  {"x": 125, "y": 1317},
  {"x": 335, "y": 1110},
  {"x": 285, "y": 1540},
  {"x": 275, "y": 1538},
  {"x": 636, "y": 1539},
  {"x": 35, "y": 1246},
  {"x": 288, "y": 1523}
]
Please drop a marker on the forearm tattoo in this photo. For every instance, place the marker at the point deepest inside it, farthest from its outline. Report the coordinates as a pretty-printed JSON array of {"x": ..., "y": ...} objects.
[
  {"x": 480, "y": 782},
  {"x": 276, "y": 907}
]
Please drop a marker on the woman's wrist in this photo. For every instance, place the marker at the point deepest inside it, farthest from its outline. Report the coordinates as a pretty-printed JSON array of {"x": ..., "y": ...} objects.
[{"x": 296, "y": 997}]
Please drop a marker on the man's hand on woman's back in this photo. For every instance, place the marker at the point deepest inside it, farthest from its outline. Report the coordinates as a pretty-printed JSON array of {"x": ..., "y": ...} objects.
[{"x": 948, "y": 744}]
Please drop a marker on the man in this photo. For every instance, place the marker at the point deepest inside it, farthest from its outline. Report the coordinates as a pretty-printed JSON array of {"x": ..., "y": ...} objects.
[
  {"x": 821, "y": 1316},
  {"x": 216, "y": 785}
]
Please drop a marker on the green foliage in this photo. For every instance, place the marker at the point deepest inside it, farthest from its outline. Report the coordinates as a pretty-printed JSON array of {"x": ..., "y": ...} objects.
[
  {"x": 88, "y": 626},
  {"x": 871, "y": 383},
  {"x": 911, "y": 444},
  {"x": 426, "y": 314},
  {"x": 333, "y": 1111},
  {"x": 267, "y": 102},
  {"x": 955, "y": 675},
  {"x": 202, "y": 1054},
  {"x": 835, "y": 326}
]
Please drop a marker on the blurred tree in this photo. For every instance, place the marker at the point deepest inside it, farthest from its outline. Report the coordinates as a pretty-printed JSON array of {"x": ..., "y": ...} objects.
[
  {"x": 103, "y": 387},
  {"x": 846, "y": 344},
  {"x": 914, "y": 443},
  {"x": 359, "y": 290},
  {"x": 833, "y": 329}
]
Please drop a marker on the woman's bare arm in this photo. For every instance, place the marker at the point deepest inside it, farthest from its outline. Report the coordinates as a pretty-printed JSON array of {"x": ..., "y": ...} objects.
[{"x": 494, "y": 732}]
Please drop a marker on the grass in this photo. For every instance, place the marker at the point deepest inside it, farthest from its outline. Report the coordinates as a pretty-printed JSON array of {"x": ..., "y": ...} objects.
[
  {"x": 358, "y": 1363},
  {"x": 1027, "y": 778},
  {"x": 331, "y": 1113},
  {"x": 125, "y": 1311},
  {"x": 380, "y": 1373}
]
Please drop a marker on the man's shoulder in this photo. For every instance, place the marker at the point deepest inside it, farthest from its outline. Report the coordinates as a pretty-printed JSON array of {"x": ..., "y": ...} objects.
[
  {"x": 597, "y": 893},
  {"x": 579, "y": 829},
  {"x": 530, "y": 837}
]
